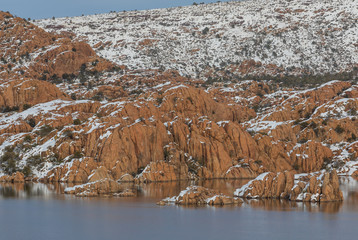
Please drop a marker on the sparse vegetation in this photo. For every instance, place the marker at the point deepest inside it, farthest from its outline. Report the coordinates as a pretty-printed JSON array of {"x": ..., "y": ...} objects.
[
  {"x": 45, "y": 130},
  {"x": 77, "y": 122},
  {"x": 339, "y": 129}
]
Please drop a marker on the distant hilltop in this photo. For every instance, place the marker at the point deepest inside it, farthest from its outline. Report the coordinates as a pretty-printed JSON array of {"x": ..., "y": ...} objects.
[{"x": 226, "y": 40}]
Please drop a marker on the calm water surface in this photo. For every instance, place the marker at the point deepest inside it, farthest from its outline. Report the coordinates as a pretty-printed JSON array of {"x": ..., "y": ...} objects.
[{"x": 37, "y": 211}]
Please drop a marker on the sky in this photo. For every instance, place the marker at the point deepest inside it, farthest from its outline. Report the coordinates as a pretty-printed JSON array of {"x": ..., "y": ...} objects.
[{"x": 36, "y": 9}]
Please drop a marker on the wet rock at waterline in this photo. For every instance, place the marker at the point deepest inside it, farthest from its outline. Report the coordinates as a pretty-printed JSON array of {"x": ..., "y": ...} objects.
[
  {"x": 197, "y": 195},
  {"x": 16, "y": 177},
  {"x": 321, "y": 187},
  {"x": 103, "y": 187}
]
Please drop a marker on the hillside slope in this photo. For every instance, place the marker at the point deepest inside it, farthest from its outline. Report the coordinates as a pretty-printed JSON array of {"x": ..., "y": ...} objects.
[{"x": 227, "y": 40}]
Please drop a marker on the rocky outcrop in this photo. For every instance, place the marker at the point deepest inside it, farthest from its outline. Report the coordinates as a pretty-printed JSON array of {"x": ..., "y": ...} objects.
[
  {"x": 99, "y": 174},
  {"x": 170, "y": 142},
  {"x": 28, "y": 92},
  {"x": 162, "y": 172},
  {"x": 125, "y": 193},
  {"x": 17, "y": 177},
  {"x": 126, "y": 178},
  {"x": 268, "y": 185},
  {"x": 173, "y": 127},
  {"x": 93, "y": 189},
  {"x": 196, "y": 195},
  {"x": 31, "y": 52},
  {"x": 310, "y": 157},
  {"x": 322, "y": 187}
]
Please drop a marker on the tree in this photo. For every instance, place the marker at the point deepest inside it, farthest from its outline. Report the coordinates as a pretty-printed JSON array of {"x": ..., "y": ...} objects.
[{"x": 205, "y": 31}]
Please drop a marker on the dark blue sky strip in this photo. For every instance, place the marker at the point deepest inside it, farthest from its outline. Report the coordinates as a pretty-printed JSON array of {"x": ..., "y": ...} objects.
[{"x": 36, "y": 9}]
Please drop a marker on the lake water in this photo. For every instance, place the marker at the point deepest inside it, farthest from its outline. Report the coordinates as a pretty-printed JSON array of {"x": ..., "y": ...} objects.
[{"x": 38, "y": 211}]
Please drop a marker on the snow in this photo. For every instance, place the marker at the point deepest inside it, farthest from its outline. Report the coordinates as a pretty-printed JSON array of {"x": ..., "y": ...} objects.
[
  {"x": 241, "y": 191},
  {"x": 264, "y": 125},
  {"x": 176, "y": 87},
  {"x": 42, "y": 108},
  {"x": 106, "y": 135},
  {"x": 248, "y": 30}
]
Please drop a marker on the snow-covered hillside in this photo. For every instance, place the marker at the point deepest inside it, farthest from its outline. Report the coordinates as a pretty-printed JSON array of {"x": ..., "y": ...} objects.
[{"x": 292, "y": 37}]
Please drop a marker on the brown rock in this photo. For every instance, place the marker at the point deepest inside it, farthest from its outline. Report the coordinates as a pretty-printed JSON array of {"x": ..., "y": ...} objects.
[
  {"x": 196, "y": 195},
  {"x": 125, "y": 193},
  {"x": 93, "y": 189},
  {"x": 99, "y": 174},
  {"x": 126, "y": 178},
  {"x": 319, "y": 188},
  {"x": 18, "y": 177}
]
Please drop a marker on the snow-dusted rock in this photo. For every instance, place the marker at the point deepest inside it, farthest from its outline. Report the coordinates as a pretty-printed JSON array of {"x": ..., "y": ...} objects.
[
  {"x": 196, "y": 195},
  {"x": 321, "y": 187}
]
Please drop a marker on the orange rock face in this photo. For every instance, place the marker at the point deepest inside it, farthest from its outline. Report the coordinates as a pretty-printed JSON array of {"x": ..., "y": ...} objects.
[
  {"x": 103, "y": 121},
  {"x": 268, "y": 185},
  {"x": 196, "y": 195},
  {"x": 30, "y": 92},
  {"x": 185, "y": 135},
  {"x": 17, "y": 177},
  {"x": 46, "y": 54},
  {"x": 322, "y": 187},
  {"x": 94, "y": 189}
]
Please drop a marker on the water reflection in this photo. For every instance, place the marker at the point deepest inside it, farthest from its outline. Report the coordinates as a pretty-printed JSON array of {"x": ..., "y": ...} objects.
[
  {"x": 30, "y": 190},
  {"x": 286, "y": 205},
  {"x": 154, "y": 192}
]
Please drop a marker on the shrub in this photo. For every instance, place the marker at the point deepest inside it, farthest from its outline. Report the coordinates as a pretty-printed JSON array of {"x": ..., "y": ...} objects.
[
  {"x": 9, "y": 160},
  {"x": 296, "y": 122},
  {"x": 68, "y": 133},
  {"x": 27, "y": 171},
  {"x": 353, "y": 112},
  {"x": 205, "y": 31},
  {"x": 339, "y": 129},
  {"x": 10, "y": 109},
  {"x": 296, "y": 166},
  {"x": 140, "y": 170},
  {"x": 77, "y": 122},
  {"x": 307, "y": 115},
  {"x": 256, "y": 107},
  {"x": 353, "y": 138},
  {"x": 73, "y": 96},
  {"x": 192, "y": 168},
  {"x": 45, "y": 130},
  {"x": 11, "y": 166},
  {"x": 35, "y": 160},
  {"x": 303, "y": 125},
  {"x": 98, "y": 97},
  {"x": 327, "y": 160},
  {"x": 77, "y": 154},
  {"x": 159, "y": 100},
  {"x": 313, "y": 125},
  {"x": 166, "y": 155},
  {"x": 27, "y": 138},
  {"x": 259, "y": 94},
  {"x": 26, "y": 106},
  {"x": 8, "y": 155}
]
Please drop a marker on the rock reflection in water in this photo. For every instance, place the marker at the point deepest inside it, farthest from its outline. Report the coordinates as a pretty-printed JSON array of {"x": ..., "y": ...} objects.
[
  {"x": 286, "y": 205},
  {"x": 153, "y": 192},
  {"x": 28, "y": 190},
  {"x": 169, "y": 189}
]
